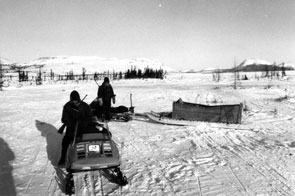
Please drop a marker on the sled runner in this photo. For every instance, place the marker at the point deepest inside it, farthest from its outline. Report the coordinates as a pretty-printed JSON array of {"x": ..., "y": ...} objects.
[
  {"x": 165, "y": 118},
  {"x": 93, "y": 149}
]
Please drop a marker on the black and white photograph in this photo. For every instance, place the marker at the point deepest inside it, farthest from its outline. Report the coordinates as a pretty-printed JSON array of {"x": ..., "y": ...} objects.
[{"x": 147, "y": 97}]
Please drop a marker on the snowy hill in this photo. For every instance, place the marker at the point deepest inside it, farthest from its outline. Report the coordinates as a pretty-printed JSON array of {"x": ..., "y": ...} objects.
[
  {"x": 289, "y": 65},
  {"x": 254, "y": 62},
  {"x": 261, "y": 65},
  {"x": 5, "y": 64},
  {"x": 209, "y": 70},
  {"x": 4, "y": 61},
  {"x": 189, "y": 71},
  {"x": 92, "y": 64}
]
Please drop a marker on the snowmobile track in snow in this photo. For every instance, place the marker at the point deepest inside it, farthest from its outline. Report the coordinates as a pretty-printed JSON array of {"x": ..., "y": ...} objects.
[
  {"x": 268, "y": 172},
  {"x": 265, "y": 171},
  {"x": 160, "y": 168}
]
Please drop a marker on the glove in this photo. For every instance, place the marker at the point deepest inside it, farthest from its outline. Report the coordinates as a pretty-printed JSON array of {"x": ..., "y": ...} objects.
[{"x": 100, "y": 102}]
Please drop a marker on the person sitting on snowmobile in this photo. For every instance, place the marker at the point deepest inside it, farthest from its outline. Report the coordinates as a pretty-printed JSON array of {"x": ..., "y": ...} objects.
[
  {"x": 105, "y": 95},
  {"x": 74, "y": 111}
]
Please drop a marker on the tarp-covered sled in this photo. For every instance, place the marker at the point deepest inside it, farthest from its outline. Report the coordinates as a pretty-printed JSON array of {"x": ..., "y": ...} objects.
[{"x": 185, "y": 113}]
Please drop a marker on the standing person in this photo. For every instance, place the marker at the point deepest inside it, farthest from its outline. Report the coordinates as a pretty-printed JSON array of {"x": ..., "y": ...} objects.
[
  {"x": 74, "y": 111},
  {"x": 105, "y": 95}
]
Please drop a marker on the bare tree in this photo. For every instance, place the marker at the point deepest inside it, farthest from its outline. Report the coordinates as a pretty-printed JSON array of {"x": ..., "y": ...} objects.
[
  {"x": 235, "y": 75},
  {"x": 39, "y": 77},
  {"x": 83, "y": 73},
  {"x": 1, "y": 75},
  {"x": 283, "y": 70},
  {"x": 266, "y": 71}
]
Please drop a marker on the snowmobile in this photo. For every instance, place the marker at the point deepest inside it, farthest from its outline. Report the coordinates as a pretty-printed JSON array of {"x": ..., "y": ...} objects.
[{"x": 93, "y": 149}]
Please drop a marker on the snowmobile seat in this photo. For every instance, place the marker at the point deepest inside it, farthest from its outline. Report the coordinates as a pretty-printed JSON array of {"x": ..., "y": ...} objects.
[
  {"x": 94, "y": 136},
  {"x": 95, "y": 131}
]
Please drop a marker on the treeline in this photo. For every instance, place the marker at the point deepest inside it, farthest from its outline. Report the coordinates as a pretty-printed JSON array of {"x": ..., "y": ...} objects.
[
  {"x": 23, "y": 76},
  {"x": 39, "y": 77},
  {"x": 1, "y": 77},
  {"x": 147, "y": 73}
]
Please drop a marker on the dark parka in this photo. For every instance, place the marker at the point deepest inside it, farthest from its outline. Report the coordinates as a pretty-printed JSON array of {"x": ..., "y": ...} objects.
[
  {"x": 106, "y": 94},
  {"x": 71, "y": 114}
]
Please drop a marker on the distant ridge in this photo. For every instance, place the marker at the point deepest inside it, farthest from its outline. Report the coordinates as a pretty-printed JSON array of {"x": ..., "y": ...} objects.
[
  {"x": 254, "y": 62},
  {"x": 92, "y": 64},
  {"x": 4, "y": 61},
  {"x": 252, "y": 66},
  {"x": 261, "y": 65}
]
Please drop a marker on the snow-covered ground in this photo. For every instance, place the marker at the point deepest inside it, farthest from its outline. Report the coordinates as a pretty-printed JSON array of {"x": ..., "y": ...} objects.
[{"x": 208, "y": 159}]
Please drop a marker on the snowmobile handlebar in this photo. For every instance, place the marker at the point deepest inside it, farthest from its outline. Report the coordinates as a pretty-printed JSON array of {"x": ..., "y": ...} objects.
[
  {"x": 84, "y": 97},
  {"x": 96, "y": 82}
]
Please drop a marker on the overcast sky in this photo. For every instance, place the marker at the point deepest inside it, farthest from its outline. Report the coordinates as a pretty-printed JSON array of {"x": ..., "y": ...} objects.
[{"x": 188, "y": 34}]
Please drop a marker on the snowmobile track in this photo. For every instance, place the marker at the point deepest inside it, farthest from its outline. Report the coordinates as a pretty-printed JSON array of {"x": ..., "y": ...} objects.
[
  {"x": 185, "y": 185},
  {"x": 269, "y": 174},
  {"x": 160, "y": 168},
  {"x": 241, "y": 187}
]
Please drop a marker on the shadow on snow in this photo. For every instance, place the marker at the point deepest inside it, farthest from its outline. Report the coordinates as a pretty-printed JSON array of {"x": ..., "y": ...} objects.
[
  {"x": 53, "y": 148},
  {"x": 7, "y": 186}
]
